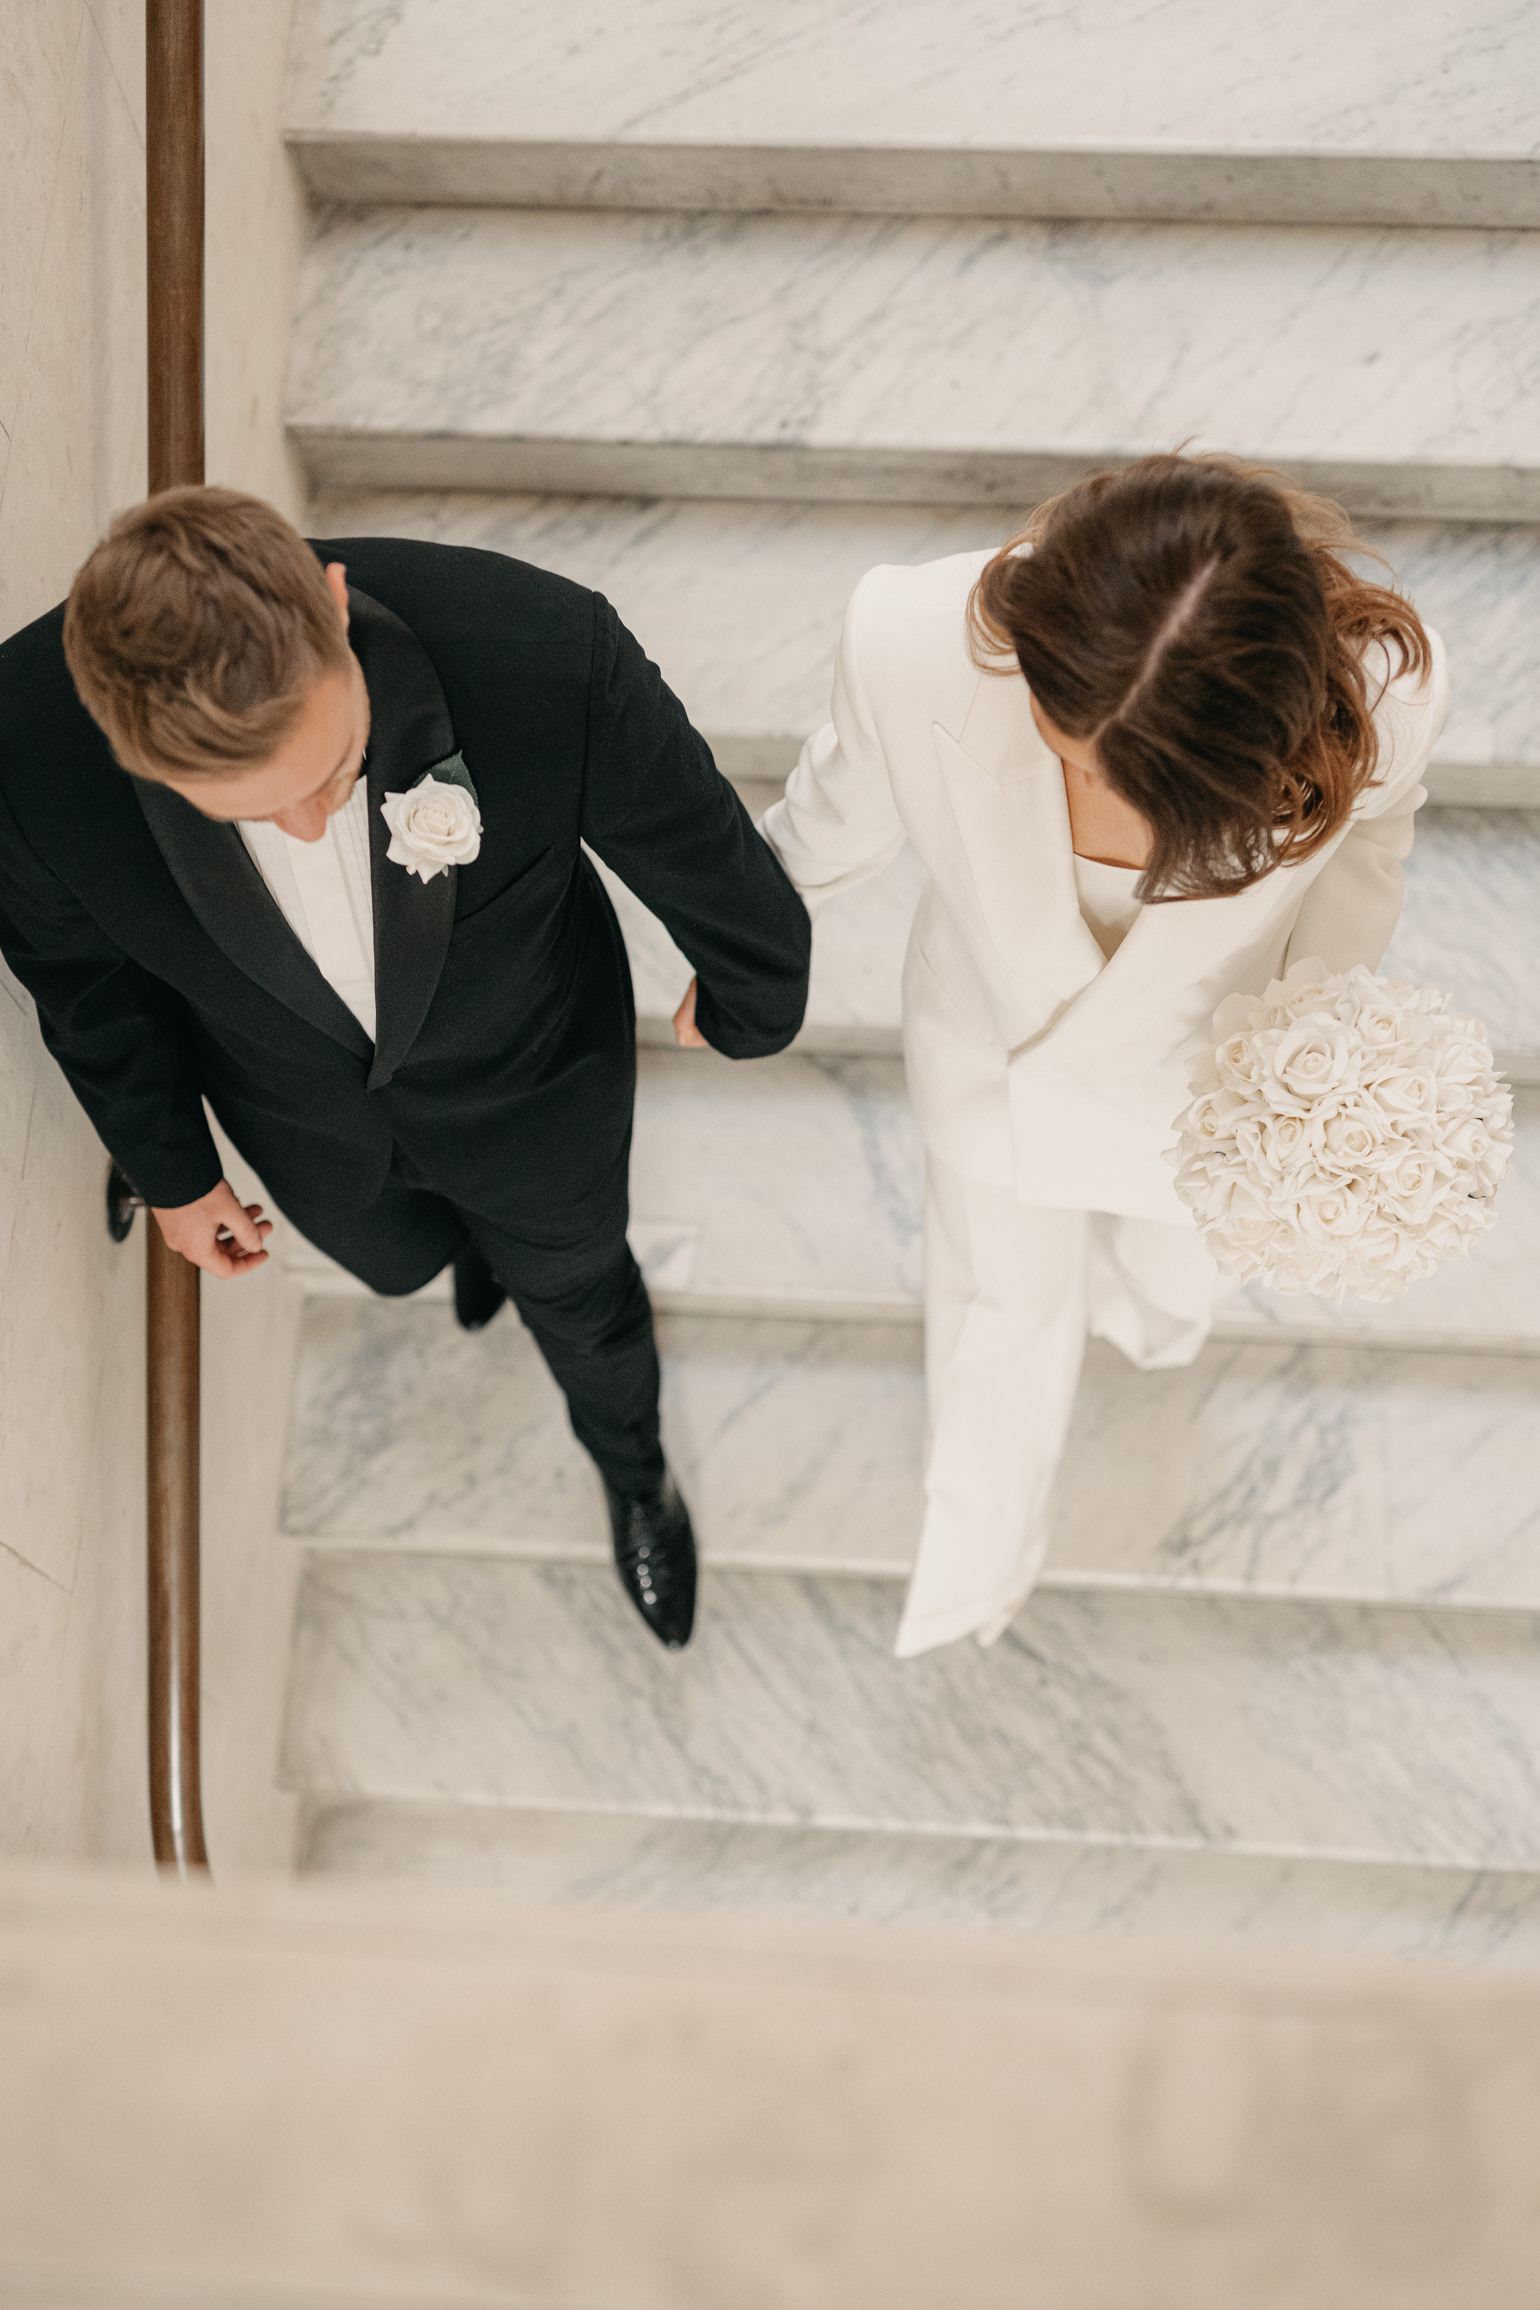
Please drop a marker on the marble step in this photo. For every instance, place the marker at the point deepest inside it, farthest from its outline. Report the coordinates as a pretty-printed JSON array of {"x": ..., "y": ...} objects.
[
  {"x": 1471, "y": 925},
  {"x": 914, "y": 359},
  {"x": 1104, "y": 1893},
  {"x": 1124, "y": 110},
  {"x": 741, "y": 604},
  {"x": 719, "y": 1229},
  {"x": 1338, "y": 1731},
  {"x": 720, "y": 1226},
  {"x": 1284, "y": 1469},
  {"x": 853, "y": 1004}
]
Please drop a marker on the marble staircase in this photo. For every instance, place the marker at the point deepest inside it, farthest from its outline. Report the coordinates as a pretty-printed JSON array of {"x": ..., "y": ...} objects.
[
  {"x": 1297, "y": 113},
  {"x": 713, "y": 312}
]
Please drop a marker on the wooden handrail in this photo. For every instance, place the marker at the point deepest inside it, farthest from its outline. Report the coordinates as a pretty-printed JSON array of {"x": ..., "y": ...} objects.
[{"x": 174, "y": 232}]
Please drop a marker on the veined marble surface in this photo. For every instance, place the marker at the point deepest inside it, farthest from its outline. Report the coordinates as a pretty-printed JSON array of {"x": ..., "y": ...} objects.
[
  {"x": 694, "y": 577},
  {"x": 1479, "y": 583},
  {"x": 854, "y": 994},
  {"x": 717, "y": 1231},
  {"x": 862, "y": 357},
  {"x": 1339, "y": 1472},
  {"x": 995, "y": 1884},
  {"x": 1348, "y": 1731},
  {"x": 740, "y": 603},
  {"x": 800, "y": 1176},
  {"x": 1185, "y": 74},
  {"x": 735, "y": 1155},
  {"x": 1352, "y": 1472},
  {"x": 1471, "y": 922},
  {"x": 794, "y": 1442}
]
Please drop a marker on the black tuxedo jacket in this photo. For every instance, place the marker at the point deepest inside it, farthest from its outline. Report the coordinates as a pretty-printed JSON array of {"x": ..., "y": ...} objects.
[{"x": 164, "y": 972}]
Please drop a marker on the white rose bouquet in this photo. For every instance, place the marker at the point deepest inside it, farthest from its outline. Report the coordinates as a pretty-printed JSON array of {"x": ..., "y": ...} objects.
[{"x": 1347, "y": 1134}]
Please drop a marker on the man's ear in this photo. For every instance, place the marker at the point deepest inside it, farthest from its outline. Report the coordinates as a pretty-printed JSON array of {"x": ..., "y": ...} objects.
[{"x": 337, "y": 579}]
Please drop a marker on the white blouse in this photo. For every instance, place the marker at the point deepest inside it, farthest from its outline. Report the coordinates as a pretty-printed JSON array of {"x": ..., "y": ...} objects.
[{"x": 1107, "y": 901}]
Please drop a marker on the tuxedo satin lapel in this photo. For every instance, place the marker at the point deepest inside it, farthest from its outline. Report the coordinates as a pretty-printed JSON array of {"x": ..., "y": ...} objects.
[
  {"x": 410, "y": 730},
  {"x": 219, "y": 880},
  {"x": 1007, "y": 795}
]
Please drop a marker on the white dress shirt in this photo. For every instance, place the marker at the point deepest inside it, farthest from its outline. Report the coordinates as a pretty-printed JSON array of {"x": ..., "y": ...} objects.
[{"x": 326, "y": 897}]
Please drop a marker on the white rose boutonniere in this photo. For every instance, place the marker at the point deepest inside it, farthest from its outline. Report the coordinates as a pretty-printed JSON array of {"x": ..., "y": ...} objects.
[{"x": 436, "y": 824}]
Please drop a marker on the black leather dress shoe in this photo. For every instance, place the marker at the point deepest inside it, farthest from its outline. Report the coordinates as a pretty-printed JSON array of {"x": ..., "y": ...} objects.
[
  {"x": 655, "y": 1557},
  {"x": 478, "y": 1294}
]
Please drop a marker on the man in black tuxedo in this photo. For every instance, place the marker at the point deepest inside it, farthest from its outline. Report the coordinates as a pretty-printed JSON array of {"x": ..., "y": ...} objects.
[{"x": 474, "y": 1105}]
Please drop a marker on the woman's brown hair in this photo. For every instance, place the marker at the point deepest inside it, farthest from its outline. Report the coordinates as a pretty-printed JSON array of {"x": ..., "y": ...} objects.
[{"x": 1197, "y": 620}]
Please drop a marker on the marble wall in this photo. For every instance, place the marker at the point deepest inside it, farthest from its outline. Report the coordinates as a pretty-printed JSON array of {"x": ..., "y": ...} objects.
[{"x": 72, "y": 452}]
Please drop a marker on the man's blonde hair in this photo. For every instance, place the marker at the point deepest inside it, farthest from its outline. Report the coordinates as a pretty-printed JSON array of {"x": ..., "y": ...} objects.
[{"x": 195, "y": 629}]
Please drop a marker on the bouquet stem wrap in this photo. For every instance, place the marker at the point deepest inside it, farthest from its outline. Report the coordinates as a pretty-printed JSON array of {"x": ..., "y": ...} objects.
[{"x": 1346, "y": 1135}]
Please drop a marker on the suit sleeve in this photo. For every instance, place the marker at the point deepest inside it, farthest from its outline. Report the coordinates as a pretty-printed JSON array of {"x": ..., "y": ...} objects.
[
  {"x": 658, "y": 811},
  {"x": 1349, "y": 913},
  {"x": 837, "y": 823},
  {"x": 97, "y": 1015}
]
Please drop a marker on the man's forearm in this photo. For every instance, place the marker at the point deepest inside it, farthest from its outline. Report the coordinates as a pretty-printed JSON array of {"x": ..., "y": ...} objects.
[{"x": 149, "y": 1122}]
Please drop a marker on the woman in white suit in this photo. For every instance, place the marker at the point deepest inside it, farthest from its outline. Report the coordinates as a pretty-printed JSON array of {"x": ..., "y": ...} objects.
[{"x": 1156, "y": 749}]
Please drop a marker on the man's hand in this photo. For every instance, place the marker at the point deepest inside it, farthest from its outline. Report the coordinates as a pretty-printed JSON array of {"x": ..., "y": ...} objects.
[
  {"x": 686, "y": 1033},
  {"x": 218, "y": 1233}
]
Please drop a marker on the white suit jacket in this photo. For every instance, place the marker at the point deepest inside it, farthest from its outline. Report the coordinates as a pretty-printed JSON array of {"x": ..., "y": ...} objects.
[{"x": 1032, "y": 1061}]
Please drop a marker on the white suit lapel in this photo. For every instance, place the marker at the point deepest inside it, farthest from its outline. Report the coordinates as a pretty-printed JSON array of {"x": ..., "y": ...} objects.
[
  {"x": 1006, "y": 792},
  {"x": 1174, "y": 947}
]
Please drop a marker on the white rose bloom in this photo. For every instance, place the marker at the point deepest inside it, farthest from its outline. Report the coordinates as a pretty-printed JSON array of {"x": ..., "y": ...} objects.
[
  {"x": 1313, "y": 1058},
  {"x": 1414, "y": 1184},
  {"x": 1404, "y": 1094},
  {"x": 1456, "y": 1097},
  {"x": 1214, "y": 1114},
  {"x": 1330, "y": 1207},
  {"x": 432, "y": 827},
  {"x": 1466, "y": 1064},
  {"x": 1277, "y": 1147},
  {"x": 1469, "y": 1141},
  {"x": 1493, "y": 1166},
  {"x": 1379, "y": 1024},
  {"x": 1353, "y": 1135},
  {"x": 1241, "y": 1062}
]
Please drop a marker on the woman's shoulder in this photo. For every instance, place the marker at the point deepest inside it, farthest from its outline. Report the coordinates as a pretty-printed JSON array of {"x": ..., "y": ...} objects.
[
  {"x": 909, "y": 621},
  {"x": 910, "y": 593},
  {"x": 1409, "y": 704},
  {"x": 1400, "y": 684}
]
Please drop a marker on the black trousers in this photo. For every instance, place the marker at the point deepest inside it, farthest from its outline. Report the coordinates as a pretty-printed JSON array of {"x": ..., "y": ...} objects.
[{"x": 571, "y": 1276}]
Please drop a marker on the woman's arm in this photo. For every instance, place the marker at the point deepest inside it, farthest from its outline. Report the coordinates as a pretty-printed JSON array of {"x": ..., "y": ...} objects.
[
  {"x": 1350, "y": 911},
  {"x": 837, "y": 824}
]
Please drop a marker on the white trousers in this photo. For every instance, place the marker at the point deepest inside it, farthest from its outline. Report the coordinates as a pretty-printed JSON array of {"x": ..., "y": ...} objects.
[{"x": 1010, "y": 1293}]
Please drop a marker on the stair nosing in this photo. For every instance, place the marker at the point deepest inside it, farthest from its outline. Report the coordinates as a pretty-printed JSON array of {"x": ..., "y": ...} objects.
[
  {"x": 972, "y": 1831},
  {"x": 1059, "y": 1581},
  {"x": 1305, "y": 1855},
  {"x": 1444, "y": 772},
  {"x": 879, "y": 1039},
  {"x": 360, "y": 455},
  {"x": 1071, "y": 179},
  {"x": 759, "y": 1306}
]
